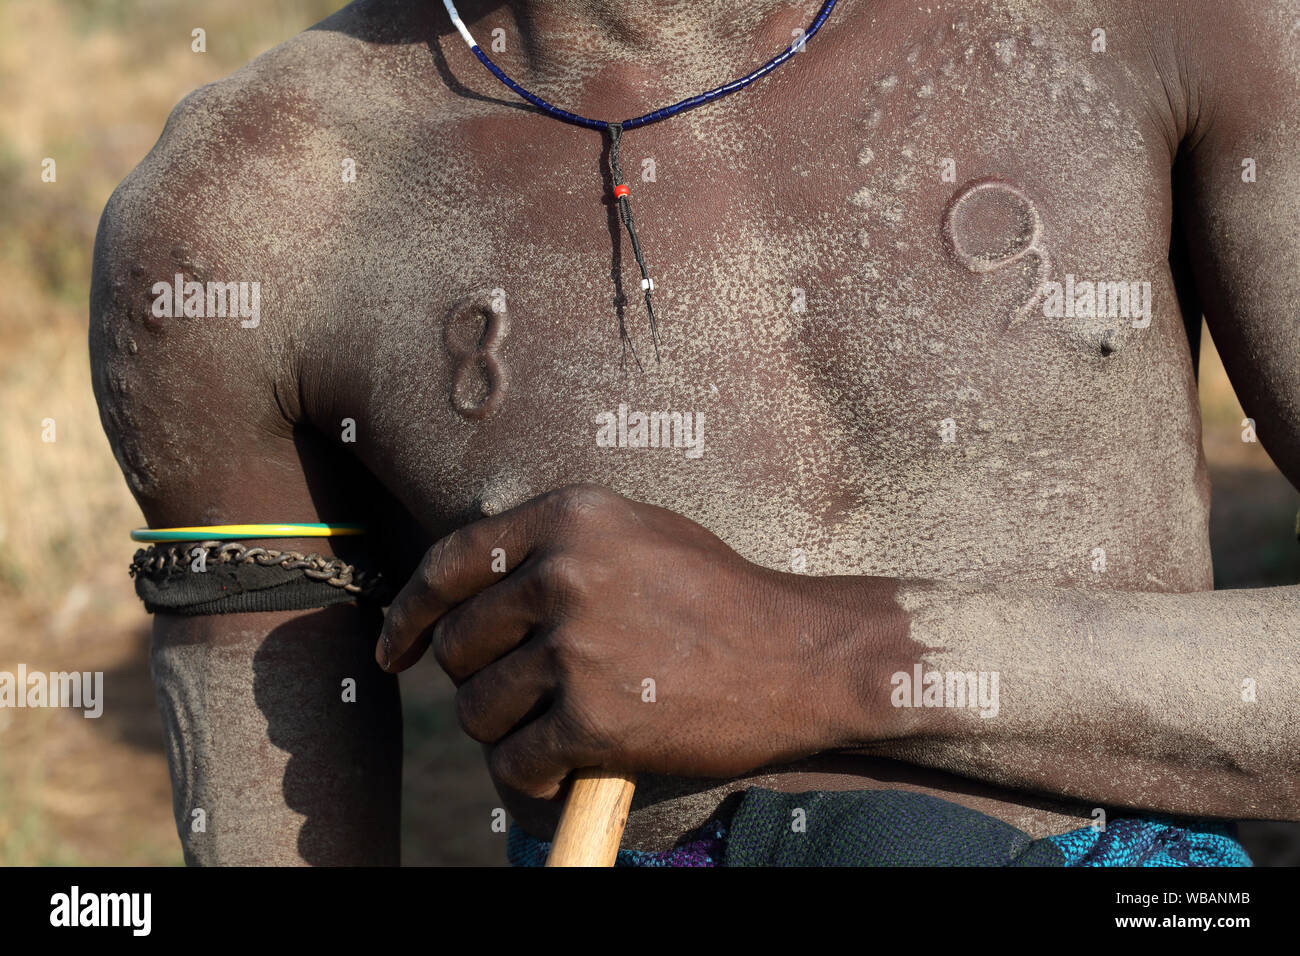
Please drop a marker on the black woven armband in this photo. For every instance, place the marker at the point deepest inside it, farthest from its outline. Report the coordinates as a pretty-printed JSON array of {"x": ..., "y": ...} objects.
[{"x": 214, "y": 577}]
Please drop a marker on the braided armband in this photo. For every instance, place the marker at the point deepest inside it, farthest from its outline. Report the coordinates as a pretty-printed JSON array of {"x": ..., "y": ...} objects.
[{"x": 225, "y": 577}]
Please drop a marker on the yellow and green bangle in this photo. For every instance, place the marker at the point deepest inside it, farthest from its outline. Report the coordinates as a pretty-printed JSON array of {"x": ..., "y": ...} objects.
[{"x": 234, "y": 532}]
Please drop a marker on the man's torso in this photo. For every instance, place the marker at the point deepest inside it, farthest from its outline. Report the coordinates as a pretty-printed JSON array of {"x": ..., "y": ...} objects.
[{"x": 847, "y": 260}]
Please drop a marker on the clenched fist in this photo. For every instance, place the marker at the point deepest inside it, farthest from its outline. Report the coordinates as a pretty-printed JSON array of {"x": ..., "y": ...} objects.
[{"x": 585, "y": 629}]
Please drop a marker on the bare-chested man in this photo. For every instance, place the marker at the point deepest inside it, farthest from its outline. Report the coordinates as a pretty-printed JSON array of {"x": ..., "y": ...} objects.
[{"x": 910, "y": 442}]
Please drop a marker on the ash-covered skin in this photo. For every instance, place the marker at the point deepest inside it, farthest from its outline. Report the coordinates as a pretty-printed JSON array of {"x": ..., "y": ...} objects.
[{"x": 824, "y": 426}]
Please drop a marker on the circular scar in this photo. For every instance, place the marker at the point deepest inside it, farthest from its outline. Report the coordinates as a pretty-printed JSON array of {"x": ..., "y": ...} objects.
[
  {"x": 472, "y": 337},
  {"x": 991, "y": 225}
]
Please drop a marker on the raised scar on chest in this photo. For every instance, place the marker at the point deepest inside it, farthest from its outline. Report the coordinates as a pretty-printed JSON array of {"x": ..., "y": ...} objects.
[
  {"x": 990, "y": 225},
  {"x": 472, "y": 337}
]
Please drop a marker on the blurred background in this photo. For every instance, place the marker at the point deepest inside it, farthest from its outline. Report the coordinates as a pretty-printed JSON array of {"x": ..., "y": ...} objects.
[{"x": 90, "y": 84}]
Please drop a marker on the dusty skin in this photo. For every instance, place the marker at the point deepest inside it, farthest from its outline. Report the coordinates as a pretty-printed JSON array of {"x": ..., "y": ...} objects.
[{"x": 919, "y": 428}]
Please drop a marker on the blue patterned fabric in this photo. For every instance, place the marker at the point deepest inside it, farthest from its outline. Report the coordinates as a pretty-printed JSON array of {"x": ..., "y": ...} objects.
[
  {"x": 901, "y": 828},
  {"x": 1153, "y": 841}
]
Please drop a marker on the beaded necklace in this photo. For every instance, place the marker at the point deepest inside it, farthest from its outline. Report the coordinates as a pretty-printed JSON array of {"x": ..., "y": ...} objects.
[{"x": 616, "y": 129}]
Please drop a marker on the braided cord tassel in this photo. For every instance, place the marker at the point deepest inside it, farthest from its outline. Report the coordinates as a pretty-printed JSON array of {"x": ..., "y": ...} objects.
[{"x": 621, "y": 195}]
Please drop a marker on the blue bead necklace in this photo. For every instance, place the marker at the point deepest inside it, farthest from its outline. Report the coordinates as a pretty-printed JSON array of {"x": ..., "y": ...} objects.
[{"x": 616, "y": 129}]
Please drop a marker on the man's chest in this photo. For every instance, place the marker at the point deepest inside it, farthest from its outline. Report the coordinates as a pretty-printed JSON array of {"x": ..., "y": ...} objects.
[{"x": 953, "y": 273}]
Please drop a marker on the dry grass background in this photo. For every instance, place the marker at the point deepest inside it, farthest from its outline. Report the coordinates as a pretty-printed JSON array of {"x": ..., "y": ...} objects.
[{"x": 90, "y": 83}]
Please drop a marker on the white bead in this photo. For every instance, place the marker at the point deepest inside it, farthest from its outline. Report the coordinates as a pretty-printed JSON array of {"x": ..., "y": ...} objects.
[
  {"x": 647, "y": 284},
  {"x": 459, "y": 24}
]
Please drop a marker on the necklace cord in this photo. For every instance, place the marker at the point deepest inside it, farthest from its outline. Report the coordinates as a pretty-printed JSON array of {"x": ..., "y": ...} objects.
[
  {"x": 616, "y": 129},
  {"x": 655, "y": 116},
  {"x": 625, "y": 212}
]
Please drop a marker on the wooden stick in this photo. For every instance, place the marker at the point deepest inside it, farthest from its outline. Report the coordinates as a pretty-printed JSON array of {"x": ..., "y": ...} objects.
[{"x": 595, "y": 813}]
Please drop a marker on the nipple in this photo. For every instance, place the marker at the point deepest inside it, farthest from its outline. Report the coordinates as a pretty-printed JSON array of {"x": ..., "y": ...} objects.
[{"x": 500, "y": 493}]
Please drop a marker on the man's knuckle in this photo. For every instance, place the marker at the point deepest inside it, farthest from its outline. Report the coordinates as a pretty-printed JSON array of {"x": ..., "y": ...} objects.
[
  {"x": 469, "y": 714},
  {"x": 561, "y": 575},
  {"x": 442, "y": 646},
  {"x": 583, "y": 501},
  {"x": 439, "y": 566},
  {"x": 569, "y": 655}
]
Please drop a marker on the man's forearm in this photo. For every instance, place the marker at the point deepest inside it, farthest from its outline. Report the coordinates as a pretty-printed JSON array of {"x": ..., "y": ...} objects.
[
  {"x": 275, "y": 758},
  {"x": 1184, "y": 703}
]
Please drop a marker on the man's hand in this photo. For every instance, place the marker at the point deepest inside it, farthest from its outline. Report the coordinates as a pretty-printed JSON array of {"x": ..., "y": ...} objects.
[{"x": 585, "y": 629}]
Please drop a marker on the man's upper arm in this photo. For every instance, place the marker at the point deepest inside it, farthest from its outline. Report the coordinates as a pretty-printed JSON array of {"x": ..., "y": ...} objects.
[
  {"x": 262, "y": 736},
  {"x": 1239, "y": 190},
  {"x": 187, "y": 402}
]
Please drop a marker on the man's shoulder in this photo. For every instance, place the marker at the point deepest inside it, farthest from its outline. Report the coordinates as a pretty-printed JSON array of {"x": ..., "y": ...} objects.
[
  {"x": 291, "y": 116},
  {"x": 224, "y": 200},
  {"x": 248, "y": 137},
  {"x": 249, "y": 175}
]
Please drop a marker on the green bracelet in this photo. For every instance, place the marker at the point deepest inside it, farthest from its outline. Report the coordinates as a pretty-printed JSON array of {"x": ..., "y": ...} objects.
[{"x": 233, "y": 532}]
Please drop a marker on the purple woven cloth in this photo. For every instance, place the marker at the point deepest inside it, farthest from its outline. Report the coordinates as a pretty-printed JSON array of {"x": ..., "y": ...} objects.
[{"x": 704, "y": 847}]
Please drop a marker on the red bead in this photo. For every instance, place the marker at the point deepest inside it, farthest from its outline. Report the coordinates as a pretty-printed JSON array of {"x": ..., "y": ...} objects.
[{"x": 621, "y": 190}]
